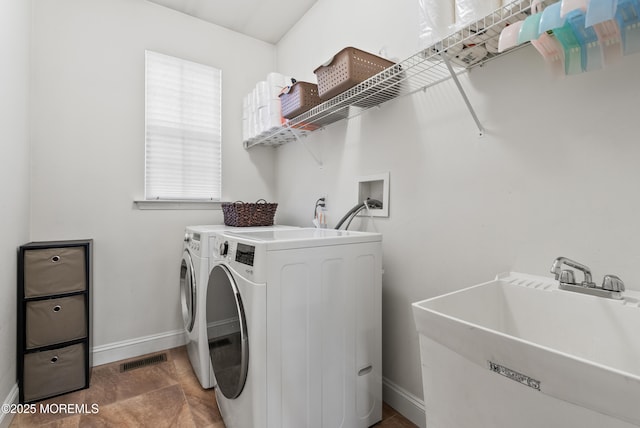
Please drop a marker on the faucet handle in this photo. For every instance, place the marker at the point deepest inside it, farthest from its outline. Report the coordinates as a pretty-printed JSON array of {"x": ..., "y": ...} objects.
[
  {"x": 567, "y": 276},
  {"x": 556, "y": 267},
  {"x": 612, "y": 283}
]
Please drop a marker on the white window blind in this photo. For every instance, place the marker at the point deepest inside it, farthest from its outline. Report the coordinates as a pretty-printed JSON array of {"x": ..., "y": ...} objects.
[{"x": 183, "y": 130}]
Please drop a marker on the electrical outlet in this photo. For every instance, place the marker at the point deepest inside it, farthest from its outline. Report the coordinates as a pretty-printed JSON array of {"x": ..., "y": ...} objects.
[{"x": 320, "y": 213}]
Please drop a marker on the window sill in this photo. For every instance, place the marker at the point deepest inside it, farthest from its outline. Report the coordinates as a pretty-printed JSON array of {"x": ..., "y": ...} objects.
[{"x": 177, "y": 205}]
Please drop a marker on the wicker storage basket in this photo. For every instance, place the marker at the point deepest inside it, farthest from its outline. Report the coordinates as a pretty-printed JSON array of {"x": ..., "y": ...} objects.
[
  {"x": 301, "y": 97},
  {"x": 243, "y": 214},
  {"x": 348, "y": 67}
]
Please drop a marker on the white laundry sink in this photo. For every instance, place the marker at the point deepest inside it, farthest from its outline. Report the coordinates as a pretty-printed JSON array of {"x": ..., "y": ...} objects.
[{"x": 577, "y": 348}]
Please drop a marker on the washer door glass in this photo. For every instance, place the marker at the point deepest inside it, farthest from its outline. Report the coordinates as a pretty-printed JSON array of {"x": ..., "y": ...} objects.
[
  {"x": 188, "y": 291},
  {"x": 228, "y": 341}
]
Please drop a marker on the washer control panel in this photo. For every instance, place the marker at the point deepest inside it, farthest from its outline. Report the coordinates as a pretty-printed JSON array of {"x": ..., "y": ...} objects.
[
  {"x": 192, "y": 241},
  {"x": 224, "y": 248},
  {"x": 217, "y": 248},
  {"x": 245, "y": 254},
  {"x": 245, "y": 258}
]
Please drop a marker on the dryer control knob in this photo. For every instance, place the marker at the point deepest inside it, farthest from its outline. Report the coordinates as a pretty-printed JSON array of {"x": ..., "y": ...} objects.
[
  {"x": 224, "y": 248},
  {"x": 187, "y": 237}
]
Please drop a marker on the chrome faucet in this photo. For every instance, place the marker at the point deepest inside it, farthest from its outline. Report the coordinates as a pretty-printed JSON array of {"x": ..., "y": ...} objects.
[
  {"x": 567, "y": 275},
  {"x": 612, "y": 286}
]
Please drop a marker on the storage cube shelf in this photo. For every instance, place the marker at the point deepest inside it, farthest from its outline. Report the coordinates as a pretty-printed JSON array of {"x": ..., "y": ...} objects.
[
  {"x": 53, "y": 337},
  {"x": 420, "y": 71}
]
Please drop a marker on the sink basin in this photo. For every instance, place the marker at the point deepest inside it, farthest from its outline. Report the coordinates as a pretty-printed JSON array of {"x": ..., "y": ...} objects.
[{"x": 559, "y": 344}]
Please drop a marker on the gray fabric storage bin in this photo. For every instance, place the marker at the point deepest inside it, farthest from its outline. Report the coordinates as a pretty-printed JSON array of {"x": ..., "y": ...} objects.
[
  {"x": 55, "y": 321},
  {"x": 51, "y": 271},
  {"x": 53, "y": 372}
]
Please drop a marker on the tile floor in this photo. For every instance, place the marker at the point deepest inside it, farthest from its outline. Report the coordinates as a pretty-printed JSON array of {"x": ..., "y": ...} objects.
[{"x": 166, "y": 394}]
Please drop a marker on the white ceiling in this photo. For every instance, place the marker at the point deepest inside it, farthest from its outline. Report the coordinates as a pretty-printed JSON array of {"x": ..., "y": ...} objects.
[{"x": 266, "y": 20}]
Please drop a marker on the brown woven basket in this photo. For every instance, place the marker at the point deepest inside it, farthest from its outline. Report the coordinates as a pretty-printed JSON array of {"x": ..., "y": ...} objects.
[
  {"x": 301, "y": 97},
  {"x": 244, "y": 214},
  {"x": 348, "y": 67}
]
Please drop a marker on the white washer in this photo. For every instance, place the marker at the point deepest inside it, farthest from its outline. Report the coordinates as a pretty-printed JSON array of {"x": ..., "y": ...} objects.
[
  {"x": 306, "y": 348},
  {"x": 194, "y": 276}
]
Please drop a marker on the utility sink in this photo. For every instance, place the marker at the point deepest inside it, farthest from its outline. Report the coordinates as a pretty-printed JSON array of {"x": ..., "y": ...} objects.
[{"x": 577, "y": 348}]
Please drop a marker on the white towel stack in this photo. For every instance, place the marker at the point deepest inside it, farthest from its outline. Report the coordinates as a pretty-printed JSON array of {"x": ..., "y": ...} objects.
[{"x": 261, "y": 111}]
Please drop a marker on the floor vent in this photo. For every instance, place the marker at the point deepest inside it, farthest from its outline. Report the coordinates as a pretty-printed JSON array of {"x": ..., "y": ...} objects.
[{"x": 143, "y": 362}]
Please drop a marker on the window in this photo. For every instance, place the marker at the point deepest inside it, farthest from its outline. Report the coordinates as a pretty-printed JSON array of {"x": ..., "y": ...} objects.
[{"x": 183, "y": 132}]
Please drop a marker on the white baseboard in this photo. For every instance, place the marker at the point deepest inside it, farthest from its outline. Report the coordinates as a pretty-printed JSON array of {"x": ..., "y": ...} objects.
[
  {"x": 117, "y": 351},
  {"x": 407, "y": 404},
  {"x": 12, "y": 398}
]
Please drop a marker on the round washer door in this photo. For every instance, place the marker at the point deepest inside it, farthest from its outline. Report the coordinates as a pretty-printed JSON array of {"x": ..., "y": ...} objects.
[
  {"x": 230, "y": 350},
  {"x": 188, "y": 291}
]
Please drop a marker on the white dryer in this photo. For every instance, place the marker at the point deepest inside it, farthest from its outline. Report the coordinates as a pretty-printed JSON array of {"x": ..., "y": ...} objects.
[
  {"x": 306, "y": 348},
  {"x": 194, "y": 277}
]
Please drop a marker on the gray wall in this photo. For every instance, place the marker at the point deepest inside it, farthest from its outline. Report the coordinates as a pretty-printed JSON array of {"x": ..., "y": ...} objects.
[
  {"x": 88, "y": 148},
  {"x": 15, "y": 25},
  {"x": 555, "y": 175}
]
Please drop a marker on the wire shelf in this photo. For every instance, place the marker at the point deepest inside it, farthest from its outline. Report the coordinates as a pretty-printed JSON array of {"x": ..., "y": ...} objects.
[{"x": 419, "y": 72}]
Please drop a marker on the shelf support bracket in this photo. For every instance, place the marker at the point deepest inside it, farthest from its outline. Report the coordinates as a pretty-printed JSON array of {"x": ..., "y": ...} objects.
[
  {"x": 299, "y": 140},
  {"x": 454, "y": 76}
]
